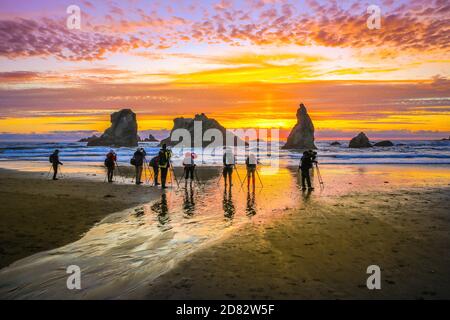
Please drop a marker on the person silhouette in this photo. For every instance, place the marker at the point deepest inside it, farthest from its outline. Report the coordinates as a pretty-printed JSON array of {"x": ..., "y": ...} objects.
[
  {"x": 229, "y": 162},
  {"x": 54, "y": 160}
]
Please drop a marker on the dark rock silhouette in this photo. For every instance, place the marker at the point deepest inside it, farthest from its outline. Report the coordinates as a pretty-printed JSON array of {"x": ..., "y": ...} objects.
[
  {"x": 302, "y": 135},
  {"x": 207, "y": 123},
  {"x": 150, "y": 138},
  {"x": 93, "y": 137},
  {"x": 384, "y": 143},
  {"x": 122, "y": 133},
  {"x": 446, "y": 139},
  {"x": 335, "y": 143},
  {"x": 360, "y": 141}
]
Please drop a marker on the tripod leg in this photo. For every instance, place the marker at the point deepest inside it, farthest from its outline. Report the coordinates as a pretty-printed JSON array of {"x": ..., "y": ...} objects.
[
  {"x": 49, "y": 171},
  {"x": 259, "y": 178},
  {"x": 196, "y": 177},
  {"x": 173, "y": 172},
  {"x": 237, "y": 172},
  {"x": 242, "y": 184},
  {"x": 220, "y": 177}
]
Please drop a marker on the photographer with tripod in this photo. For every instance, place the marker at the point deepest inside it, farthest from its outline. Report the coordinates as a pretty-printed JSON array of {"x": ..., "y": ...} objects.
[
  {"x": 110, "y": 164},
  {"x": 229, "y": 163},
  {"x": 54, "y": 160},
  {"x": 306, "y": 163},
  {"x": 189, "y": 167},
  {"x": 138, "y": 162},
  {"x": 164, "y": 164}
]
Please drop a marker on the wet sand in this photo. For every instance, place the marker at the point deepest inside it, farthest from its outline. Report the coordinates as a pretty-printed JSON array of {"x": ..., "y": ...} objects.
[
  {"x": 38, "y": 214},
  {"x": 322, "y": 250},
  {"x": 276, "y": 243}
]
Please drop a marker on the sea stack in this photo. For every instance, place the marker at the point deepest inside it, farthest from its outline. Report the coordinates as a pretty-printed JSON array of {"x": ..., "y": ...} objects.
[
  {"x": 384, "y": 143},
  {"x": 150, "y": 138},
  {"x": 302, "y": 135},
  {"x": 360, "y": 141},
  {"x": 206, "y": 123},
  {"x": 122, "y": 133}
]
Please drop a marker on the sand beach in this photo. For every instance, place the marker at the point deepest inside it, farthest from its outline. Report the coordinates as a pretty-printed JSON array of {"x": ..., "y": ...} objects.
[{"x": 207, "y": 243}]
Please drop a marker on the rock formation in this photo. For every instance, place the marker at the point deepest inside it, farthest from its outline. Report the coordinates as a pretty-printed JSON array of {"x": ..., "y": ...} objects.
[
  {"x": 188, "y": 124},
  {"x": 360, "y": 141},
  {"x": 150, "y": 138},
  {"x": 335, "y": 143},
  {"x": 93, "y": 137},
  {"x": 384, "y": 143},
  {"x": 122, "y": 133},
  {"x": 302, "y": 135}
]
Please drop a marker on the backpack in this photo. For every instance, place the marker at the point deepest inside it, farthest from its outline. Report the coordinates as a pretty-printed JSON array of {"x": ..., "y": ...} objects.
[
  {"x": 154, "y": 161},
  {"x": 109, "y": 162},
  {"x": 133, "y": 161}
]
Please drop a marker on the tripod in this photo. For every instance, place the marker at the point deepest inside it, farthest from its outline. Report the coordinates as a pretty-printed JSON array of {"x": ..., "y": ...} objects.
[
  {"x": 195, "y": 178},
  {"x": 259, "y": 178},
  {"x": 59, "y": 171},
  {"x": 49, "y": 171},
  {"x": 150, "y": 173},
  {"x": 118, "y": 170},
  {"x": 319, "y": 176},
  {"x": 237, "y": 172},
  {"x": 172, "y": 174}
]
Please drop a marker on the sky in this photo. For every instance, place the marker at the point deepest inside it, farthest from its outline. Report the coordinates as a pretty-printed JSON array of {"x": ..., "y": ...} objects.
[{"x": 246, "y": 63}]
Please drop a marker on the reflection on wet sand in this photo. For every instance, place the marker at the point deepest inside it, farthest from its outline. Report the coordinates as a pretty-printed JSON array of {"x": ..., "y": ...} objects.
[
  {"x": 228, "y": 206},
  {"x": 306, "y": 194},
  {"x": 162, "y": 209},
  {"x": 188, "y": 201},
  {"x": 251, "y": 205}
]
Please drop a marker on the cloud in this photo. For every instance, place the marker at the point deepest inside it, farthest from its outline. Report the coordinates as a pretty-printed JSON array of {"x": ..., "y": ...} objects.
[
  {"x": 47, "y": 37},
  {"x": 121, "y": 29},
  {"x": 53, "y": 136}
]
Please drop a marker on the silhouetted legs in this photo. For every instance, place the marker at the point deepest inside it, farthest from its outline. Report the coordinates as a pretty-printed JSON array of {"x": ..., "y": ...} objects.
[
  {"x": 138, "y": 174},
  {"x": 306, "y": 179},
  {"x": 228, "y": 171},
  {"x": 163, "y": 176}
]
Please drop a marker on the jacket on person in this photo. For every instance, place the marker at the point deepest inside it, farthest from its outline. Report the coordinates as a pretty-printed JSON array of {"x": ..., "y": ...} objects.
[
  {"x": 306, "y": 163},
  {"x": 251, "y": 161},
  {"x": 154, "y": 162},
  {"x": 228, "y": 159},
  {"x": 54, "y": 159},
  {"x": 188, "y": 161},
  {"x": 164, "y": 158},
  {"x": 139, "y": 156},
  {"x": 110, "y": 160}
]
